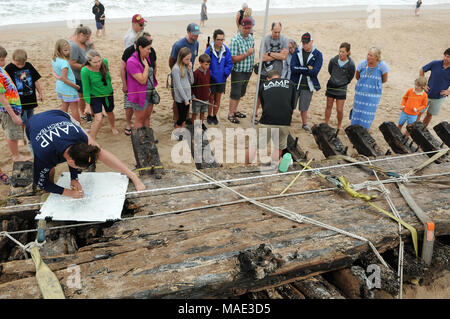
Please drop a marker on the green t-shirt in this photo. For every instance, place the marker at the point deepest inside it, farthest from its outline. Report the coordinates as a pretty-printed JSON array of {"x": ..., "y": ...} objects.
[{"x": 92, "y": 83}]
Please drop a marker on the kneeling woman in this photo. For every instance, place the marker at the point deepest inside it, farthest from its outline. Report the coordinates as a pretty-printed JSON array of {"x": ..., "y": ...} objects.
[
  {"x": 98, "y": 90},
  {"x": 57, "y": 138}
]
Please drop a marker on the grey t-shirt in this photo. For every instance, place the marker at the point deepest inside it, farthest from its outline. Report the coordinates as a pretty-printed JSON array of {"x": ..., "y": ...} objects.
[
  {"x": 271, "y": 45},
  {"x": 79, "y": 55},
  {"x": 128, "y": 39}
]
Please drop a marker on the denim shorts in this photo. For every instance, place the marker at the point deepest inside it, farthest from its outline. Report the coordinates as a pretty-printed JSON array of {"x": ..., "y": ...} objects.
[
  {"x": 406, "y": 118},
  {"x": 26, "y": 115},
  {"x": 198, "y": 107},
  {"x": 68, "y": 98}
]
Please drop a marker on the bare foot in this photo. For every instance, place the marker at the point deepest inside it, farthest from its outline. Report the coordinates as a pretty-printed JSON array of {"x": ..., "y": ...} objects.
[
  {"x": 22, "y": 158},
  {"x": 114, "y": 131}
]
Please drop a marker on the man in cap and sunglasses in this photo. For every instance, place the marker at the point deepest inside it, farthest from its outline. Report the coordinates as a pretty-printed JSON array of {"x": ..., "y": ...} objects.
[{"x": 137, "y": 24}]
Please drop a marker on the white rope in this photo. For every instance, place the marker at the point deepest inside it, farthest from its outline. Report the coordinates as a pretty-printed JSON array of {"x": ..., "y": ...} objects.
[
  {"x": 25, "y": 248},
  {"x": 184, "y": 210},
  {"x": 386, "y": 195},
  {"x": 227, "y": 181},
  {"x": 297, "y": 217},
  {"x": 359, "y": 186}
]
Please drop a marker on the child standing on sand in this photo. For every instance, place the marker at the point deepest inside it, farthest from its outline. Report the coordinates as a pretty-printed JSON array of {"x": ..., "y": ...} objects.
[
  {"x": 26, "y": 79},
  {"x": 10, "y": 110},
  {"x": 182, "y": 78},
  {"x": 200, "y": 89},
  {"x": 414, "y": 100},
  {"x": 98, "y": 91},
  {"x": 65, "y": 85}
]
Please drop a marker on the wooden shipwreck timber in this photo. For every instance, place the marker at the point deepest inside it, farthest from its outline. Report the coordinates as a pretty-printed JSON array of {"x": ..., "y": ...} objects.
[{"x": 192, "y": 237}]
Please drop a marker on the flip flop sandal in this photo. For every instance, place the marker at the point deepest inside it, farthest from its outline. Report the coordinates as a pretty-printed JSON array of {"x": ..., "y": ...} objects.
[
  {"x": 4, "y": 178},
  {"x": 127, "y": 131},
  {"x": 233, "y": 119},
  {"x": 240, "y": 115}
]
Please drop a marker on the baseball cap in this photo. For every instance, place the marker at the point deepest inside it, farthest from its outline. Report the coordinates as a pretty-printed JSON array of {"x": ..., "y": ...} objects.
[
  {"x": 307, "y": 37},
  {"x": 193, "y": 28},
  {"x": 138, "y": 19},
  {"x": 246, "y": 22}
]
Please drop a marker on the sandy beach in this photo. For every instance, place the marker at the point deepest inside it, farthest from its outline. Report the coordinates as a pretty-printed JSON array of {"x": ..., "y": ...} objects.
[{"x": 407, "y": 43}]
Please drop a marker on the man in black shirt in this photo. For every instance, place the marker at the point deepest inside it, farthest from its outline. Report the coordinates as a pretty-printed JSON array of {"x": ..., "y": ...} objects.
[
  {"x": 278, "y": 97},
  {"x": 123, "y": 74}
]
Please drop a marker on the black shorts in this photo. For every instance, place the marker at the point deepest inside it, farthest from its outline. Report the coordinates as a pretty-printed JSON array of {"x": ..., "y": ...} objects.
[
  {"x": 217, "y": 87},
  {"x": 107, "y": 102},
  {"x": 336, "y": 95},
  {"x": 239, "y": 82},
  {"x": 78, "y": 82}
]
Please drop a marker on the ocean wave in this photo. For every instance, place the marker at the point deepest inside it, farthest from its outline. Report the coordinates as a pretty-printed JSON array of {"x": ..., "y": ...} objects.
[{"x": 25, "y": 11}]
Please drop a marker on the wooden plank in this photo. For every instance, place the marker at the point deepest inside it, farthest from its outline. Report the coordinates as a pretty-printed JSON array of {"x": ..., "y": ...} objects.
[{"x": 317, "y": 288}]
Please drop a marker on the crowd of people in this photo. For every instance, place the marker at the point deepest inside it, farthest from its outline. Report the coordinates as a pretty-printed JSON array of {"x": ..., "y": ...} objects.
[{"x": 288, "y": 79}]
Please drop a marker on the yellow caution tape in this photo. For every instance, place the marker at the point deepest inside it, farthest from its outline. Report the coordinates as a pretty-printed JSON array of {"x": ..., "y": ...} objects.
[
  {"x": 346, "y": 186},
  {"x": 47, "y": 281},
  {"x": 147, "y": 168}
]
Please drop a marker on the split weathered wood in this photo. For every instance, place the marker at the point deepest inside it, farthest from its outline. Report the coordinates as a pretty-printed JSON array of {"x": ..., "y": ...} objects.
[
  {"x": 294, "y": 148},
  {"x": 361, "y": 139},
  {"x": 146, "y": 152},
  {"x": 195, "y": 254},
  {"x": 317, "y": 288},
  {"x": 423, "y": 137},
  {"x": 200, "y": 149},
  {"x": 443, "y": 131},
  {"x": 21, "y": 182},
  {"x": 398, "y": 142},
  {"x": 328, "y": 141}
]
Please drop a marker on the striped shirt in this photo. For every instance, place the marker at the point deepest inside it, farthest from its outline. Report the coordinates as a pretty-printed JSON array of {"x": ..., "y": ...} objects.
[{"x": 240, "y": 45}]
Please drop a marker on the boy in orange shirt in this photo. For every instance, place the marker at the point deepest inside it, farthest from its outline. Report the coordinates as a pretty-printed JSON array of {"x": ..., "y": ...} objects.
[{"x": 414, "y": 100}]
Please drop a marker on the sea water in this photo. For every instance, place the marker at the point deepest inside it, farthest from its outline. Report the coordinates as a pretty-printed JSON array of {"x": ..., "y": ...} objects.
[{"x": 32, "y": 11}]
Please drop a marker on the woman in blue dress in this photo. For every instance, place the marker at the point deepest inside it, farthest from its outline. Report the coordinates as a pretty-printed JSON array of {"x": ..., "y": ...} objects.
[{"x": 371, "y": 74}]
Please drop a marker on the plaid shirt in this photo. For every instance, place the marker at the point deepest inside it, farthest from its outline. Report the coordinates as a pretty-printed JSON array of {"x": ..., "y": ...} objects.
[{"x": 239, "y": 45}]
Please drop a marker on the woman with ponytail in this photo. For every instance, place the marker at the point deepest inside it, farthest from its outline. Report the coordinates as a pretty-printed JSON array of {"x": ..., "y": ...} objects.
[
  {"x": 57, "y": 138},
  {"x": 140, "y": 83},
  {"x": 98, "y": 90}
]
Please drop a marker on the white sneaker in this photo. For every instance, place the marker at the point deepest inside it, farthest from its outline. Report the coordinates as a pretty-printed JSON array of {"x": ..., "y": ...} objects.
[{"x": 306, "y": 128}]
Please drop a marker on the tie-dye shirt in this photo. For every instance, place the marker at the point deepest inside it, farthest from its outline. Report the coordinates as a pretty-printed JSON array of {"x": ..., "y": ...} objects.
[{"x": 8, "y": 88}]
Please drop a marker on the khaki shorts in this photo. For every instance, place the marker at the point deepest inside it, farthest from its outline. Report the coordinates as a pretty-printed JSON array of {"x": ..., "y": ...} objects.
[
  {"x": 13, "y": 131},
  {"x": 283, "y": 133},
  {"x": 434, "y": 106}
]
